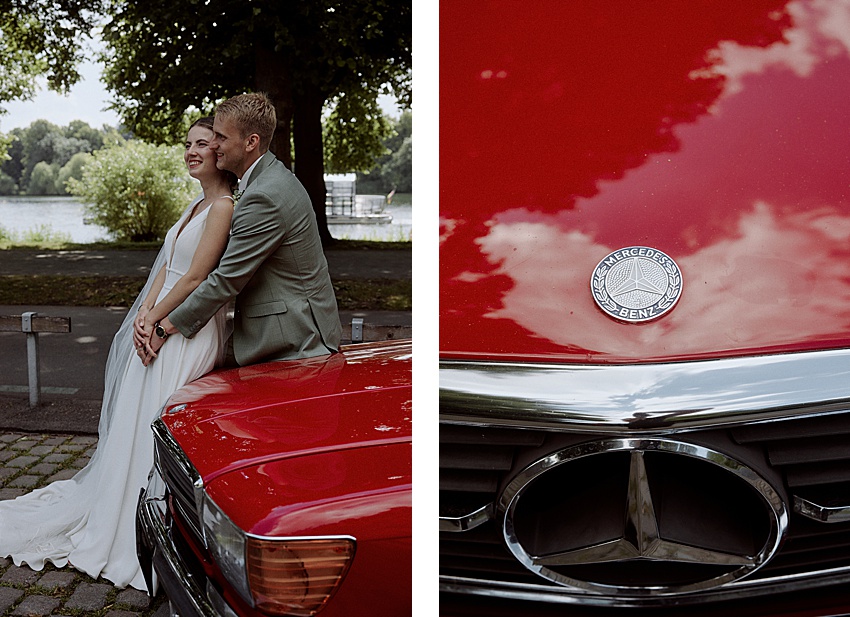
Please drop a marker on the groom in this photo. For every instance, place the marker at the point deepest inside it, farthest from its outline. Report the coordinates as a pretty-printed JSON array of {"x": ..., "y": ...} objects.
[{"x": 273, "y": 265}]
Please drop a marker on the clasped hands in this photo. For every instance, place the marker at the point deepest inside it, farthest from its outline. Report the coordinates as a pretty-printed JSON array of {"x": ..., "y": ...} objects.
[{"x": 145, "y": 343}]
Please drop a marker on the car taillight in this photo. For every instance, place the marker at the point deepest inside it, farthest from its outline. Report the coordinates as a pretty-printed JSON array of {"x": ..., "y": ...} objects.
[{"x": 296, "y": 576}]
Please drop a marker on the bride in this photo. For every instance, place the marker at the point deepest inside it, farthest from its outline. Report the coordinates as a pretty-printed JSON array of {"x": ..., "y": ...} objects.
[{"x": 89, "y": 520}]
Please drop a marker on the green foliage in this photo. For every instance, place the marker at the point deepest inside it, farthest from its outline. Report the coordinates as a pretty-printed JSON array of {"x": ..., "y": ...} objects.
[
  {"x": 71, "y": 169},
  {"x": 354, "y": 134},
  {"x": 42, "y": 38},
  {"x": 12, "y": 165},
  {"x": 45, "y": 142},
  {"x": 399, "y": 169},
  {"x": 43, "y": 179},
  {"x": 43, "y": 236},
  {"x": 8, "y": 186},
  {"x": 136, "y": 190},
  {"x": 218, "y": 48},
  {"x": 394, "y": 170},
  {"x": 166, "y": 58},
  {"x": 40, "y": 236}
]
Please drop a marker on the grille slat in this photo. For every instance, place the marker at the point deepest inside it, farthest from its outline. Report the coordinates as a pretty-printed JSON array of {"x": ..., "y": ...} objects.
[
  {"x": 820, "y": 426},
  {"x": 180, "y": 486},
  {"x": 487, "y": 458},
  {"x": 812, "y": 475},
  {"x": 809, "y": 450}
]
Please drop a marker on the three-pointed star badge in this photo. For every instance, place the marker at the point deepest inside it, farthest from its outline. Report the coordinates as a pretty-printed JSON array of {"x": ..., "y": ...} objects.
[{"x": 641, "y": 538}]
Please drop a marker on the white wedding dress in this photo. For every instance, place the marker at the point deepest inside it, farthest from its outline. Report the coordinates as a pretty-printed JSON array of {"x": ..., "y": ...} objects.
[{"x": 89, "y": 520}]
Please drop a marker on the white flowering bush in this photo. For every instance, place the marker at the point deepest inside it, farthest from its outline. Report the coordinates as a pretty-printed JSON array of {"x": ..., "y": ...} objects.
[{"x": 135, "y": 190}]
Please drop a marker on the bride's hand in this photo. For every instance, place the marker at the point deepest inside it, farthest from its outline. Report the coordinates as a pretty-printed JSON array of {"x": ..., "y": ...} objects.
[{"x": 139, "y": 334}]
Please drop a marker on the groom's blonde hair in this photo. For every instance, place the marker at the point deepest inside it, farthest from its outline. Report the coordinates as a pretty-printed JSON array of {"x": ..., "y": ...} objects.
[{"x": 251, "y": 113}]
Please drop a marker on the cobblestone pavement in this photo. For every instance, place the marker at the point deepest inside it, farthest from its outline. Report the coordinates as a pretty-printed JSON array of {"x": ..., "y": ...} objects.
[{"x": 29, "y": 461}]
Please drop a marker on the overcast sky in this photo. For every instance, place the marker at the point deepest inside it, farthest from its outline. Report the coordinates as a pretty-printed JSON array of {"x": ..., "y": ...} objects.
[{"x": 86, "y": 101}]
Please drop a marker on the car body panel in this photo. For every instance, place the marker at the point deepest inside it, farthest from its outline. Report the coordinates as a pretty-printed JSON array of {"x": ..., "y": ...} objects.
[
  {"x": 306, "y": 448},
  {"x": 717, "y": 133},
  {"x": 364, "y": 493},
  {"x": 266, "y": 412}
]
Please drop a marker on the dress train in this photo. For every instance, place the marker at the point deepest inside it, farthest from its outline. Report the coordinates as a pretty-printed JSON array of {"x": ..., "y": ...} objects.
[{"x": 89, "y": 520}]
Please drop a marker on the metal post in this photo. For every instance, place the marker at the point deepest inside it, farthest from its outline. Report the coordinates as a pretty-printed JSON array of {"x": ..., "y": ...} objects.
[
  {"x": 32, "y": 357},
  {"x": 356, "y": 329}
]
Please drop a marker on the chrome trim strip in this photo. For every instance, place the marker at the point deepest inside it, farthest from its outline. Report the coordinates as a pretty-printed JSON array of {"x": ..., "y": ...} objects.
[
  {"x": 662, "y": 398},
  {"x": 561, "y": 595},
  {"x": 819, "y": 513},
  {"x": 163, "y": 435},
  {"x": 151, "y": 516},
  {"x": 161, "y": 432},
  {"x": 466, "y": 522}
]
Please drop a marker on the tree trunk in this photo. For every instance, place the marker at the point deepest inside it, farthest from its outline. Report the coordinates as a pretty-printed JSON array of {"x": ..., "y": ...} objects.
[
  {"x": 274, "y": 78},
  {"x": 309, "y": 153}
]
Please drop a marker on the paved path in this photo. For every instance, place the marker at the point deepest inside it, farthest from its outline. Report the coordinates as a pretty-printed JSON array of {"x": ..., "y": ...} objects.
[
  {"x": 29, "y": 461},
  {"x": 72, "y": 365}
]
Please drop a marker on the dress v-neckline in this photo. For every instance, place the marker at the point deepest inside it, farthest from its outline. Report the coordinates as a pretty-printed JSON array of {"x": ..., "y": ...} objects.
[
  {"x": 186, "y": 225},
  {"x": 192, "y": 216}
]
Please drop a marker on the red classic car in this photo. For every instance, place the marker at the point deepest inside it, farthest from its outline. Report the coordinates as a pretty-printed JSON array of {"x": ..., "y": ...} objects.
[
  {"x": 285, "y": 488},
  {"x": 645, "y": 307}
]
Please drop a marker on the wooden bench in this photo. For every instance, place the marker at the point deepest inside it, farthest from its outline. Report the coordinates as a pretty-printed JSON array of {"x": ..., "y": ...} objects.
[{"x": 31, "y": 323}]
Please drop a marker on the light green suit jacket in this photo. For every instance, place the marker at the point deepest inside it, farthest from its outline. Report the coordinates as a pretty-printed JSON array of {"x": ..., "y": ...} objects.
[{"x": 275, "y": 268}]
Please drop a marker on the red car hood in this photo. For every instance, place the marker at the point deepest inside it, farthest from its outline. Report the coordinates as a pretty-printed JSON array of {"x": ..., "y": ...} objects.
[
  {"x": 716, "y": 132},
  {"x": 237, "y": 418}
]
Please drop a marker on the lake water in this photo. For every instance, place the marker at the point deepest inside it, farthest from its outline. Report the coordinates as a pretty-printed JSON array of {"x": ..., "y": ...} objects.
[{"x": 65, "y": 214}]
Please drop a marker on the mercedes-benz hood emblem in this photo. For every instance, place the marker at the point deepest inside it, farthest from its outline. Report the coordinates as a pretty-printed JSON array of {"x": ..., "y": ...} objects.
[
  {"x": 676, "y": 524},
  {"x": 636, "y": 284}
]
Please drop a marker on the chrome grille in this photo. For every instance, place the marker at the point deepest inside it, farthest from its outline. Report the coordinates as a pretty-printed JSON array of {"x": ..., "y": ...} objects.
[
  {"x": 183, "y": 481},
  {"x": 811, "y": 456}
]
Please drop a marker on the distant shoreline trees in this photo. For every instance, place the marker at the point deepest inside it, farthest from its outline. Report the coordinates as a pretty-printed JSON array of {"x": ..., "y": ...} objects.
[
  {"x": 43, "y": 156},
  {"x": 393, "y": 170}
]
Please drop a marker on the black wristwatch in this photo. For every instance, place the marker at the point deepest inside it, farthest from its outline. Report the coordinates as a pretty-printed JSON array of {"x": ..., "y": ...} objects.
[{"x": 160, "y": 331}]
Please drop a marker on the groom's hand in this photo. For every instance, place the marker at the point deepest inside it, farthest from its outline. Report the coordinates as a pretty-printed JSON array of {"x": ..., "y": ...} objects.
[
  {"x": 153, "y": 346},
  {"x": 156, "y": 338}
]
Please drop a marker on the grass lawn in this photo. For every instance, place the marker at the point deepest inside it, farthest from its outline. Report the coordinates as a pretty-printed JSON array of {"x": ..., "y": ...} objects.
[
  {"x": 360, "y": 294},
  {"x": 351, "y": 295}
]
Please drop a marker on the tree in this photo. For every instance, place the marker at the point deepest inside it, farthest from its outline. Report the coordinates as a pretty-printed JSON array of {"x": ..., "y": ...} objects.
[
  {"x": 394, "y": 170},
  {"x": 43, "y": 179},
  {"x": 13, "y": 165},
  {"x": 354, "y": 150},
  {"x": 42, "y": 38},
  {"x": 8, "y": 186},
  {"x": 135, "y": 190},
  {"x": 72, "y": 169},
  {"x": 399, "y": 168},
  {"x": 302, "y": 54},
  {"x": 36, "y": 147},
  {"x": 81, "y": 131},
  {"x": 43, "y": 141}
]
